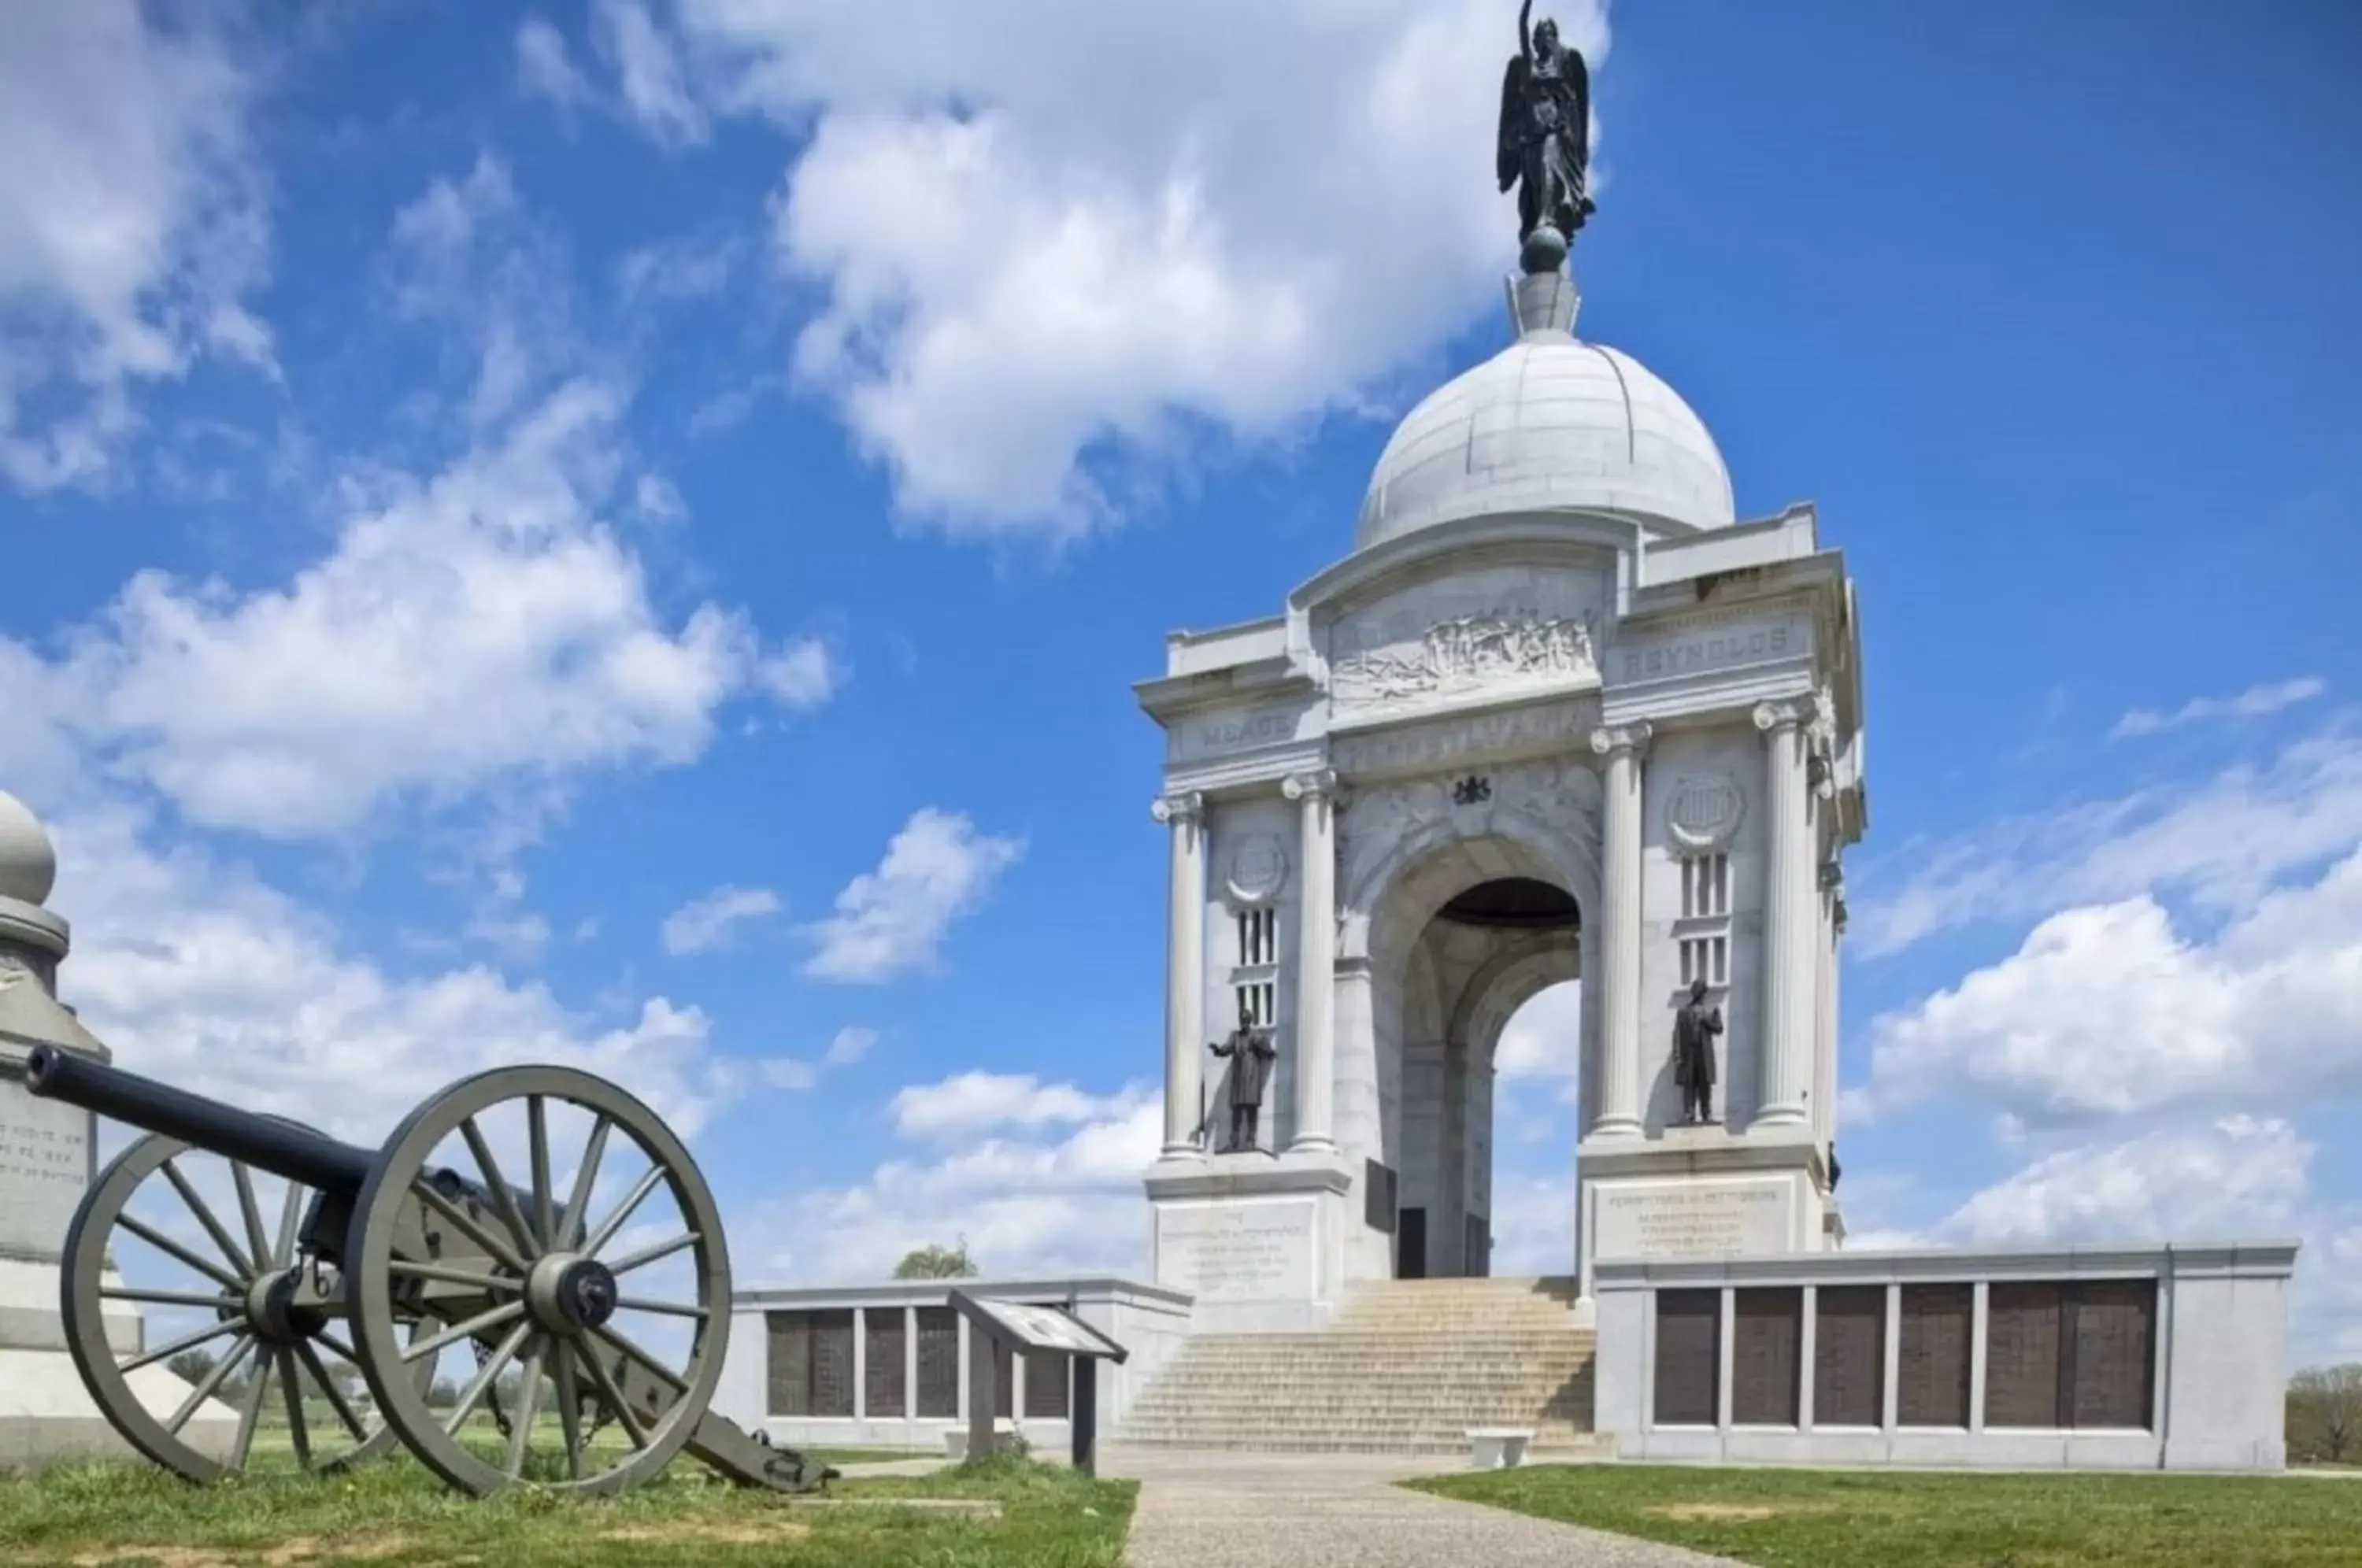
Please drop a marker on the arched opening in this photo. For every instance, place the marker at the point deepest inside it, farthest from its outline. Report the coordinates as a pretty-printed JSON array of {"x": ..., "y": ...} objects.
[{"x": 1471, "y": 941}]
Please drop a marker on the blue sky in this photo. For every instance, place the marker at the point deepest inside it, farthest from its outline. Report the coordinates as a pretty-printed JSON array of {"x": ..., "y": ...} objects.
[{"x": 622, "y": 534}]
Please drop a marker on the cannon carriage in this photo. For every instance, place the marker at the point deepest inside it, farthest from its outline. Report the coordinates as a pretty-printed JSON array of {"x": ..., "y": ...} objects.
[{"x": 535, "y": 1277}]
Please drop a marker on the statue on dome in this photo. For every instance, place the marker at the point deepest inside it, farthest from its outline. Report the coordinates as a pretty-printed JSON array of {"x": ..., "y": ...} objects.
[{"x": 1545, "y": 142}]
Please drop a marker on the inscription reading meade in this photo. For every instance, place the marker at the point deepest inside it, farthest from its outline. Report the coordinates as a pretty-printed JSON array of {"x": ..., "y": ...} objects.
[{"x": 1235, "y": 731}]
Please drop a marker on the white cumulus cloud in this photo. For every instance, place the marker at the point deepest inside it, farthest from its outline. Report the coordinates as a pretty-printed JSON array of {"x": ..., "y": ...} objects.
[
  {"x": 196, "y": 972},
  {"x": 2107, "y": 1010},
  {"x": 2255, "y": 702},
  {"x": 477, "y": 628},
  {"x": 893, "y": 919},
  {"x": 1042, "y": 1179},
  {"x": 132, "y": 223},
  {"x": 1051, "y": 229},
  {"x": 2225, "y": 839},
  {"x": 707, "y": 922},
  {"x": 976, "y": 1102}
]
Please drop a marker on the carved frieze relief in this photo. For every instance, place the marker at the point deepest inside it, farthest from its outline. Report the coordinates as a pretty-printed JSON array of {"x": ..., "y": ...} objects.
[
  {"x": 1464, "y": 654},
  {"x": 1480, "y": 630}
]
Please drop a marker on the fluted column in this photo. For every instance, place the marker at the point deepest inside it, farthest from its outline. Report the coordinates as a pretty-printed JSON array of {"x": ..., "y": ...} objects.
[
  {"x": 1619, "y": 930},
  {"x": 1789, "y": 891},
  {"x": 1184, "y": 971},
  {"x": 1316, "y": 963}
]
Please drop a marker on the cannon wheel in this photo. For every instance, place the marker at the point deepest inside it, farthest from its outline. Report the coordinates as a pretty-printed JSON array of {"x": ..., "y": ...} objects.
[
  {"x": 235, "y": 1285},
  {"x": 540, "y": 1234}
]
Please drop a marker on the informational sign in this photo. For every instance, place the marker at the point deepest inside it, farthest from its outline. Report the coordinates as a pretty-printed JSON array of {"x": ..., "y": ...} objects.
[{"x": 1035, "y": 1327}]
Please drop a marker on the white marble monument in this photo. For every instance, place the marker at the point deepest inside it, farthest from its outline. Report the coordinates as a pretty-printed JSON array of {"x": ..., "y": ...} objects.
[
  {"x": 1559, "y": 715},
  {"x": 46, "y": 1151}
]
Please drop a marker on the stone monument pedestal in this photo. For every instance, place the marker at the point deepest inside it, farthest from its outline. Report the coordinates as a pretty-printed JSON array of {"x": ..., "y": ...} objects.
[
  {"x": 47, "y": 1154},
  {"x": 1258, "y": 1240},
  {"x": 1697, "y": 1192}
]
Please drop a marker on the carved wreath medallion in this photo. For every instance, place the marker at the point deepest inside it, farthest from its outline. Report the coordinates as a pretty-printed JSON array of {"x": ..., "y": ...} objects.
[
  {"x": 1704, "y": 809},
  {"x": 1258, "y": 869}
]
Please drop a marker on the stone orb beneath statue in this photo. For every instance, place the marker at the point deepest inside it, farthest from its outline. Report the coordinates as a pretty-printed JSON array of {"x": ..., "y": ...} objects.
[{"x": 1544, "y": 251}]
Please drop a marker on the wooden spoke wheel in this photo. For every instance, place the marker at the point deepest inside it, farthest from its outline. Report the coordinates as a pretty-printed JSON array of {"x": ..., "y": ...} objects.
[
  {"x": 530, "y": 1266},
  {"x": 236, "y": 1289}
]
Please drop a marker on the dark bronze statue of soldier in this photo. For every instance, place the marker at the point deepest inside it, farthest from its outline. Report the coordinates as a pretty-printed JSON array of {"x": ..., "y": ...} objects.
[
  {"x": 1251, "y": 1053},
  {"x": 1694, "y": 1028}
]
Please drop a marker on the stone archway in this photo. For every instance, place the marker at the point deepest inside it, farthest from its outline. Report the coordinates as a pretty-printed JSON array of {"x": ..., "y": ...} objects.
[{"x": 1464, "y": 930}]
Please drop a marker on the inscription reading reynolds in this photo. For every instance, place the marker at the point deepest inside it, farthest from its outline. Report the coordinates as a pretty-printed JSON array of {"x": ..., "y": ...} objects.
[
  {"x": 1247, "y": 1253},
  {"x": 44, "y": 1166},
  {"x": 1722, "y": 1220},
  {"x": 1718, "y": 647}
]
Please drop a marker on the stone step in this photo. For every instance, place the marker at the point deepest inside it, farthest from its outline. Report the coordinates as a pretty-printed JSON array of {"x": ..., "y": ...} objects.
[
  {"x": 1407, "y": 1366},
  {"x": 1565, "y": 1445},
  {"x": 1199, "y": 1383}
]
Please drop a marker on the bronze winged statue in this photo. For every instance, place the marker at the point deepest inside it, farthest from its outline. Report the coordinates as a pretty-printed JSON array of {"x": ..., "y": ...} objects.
[{"x": 1545, "y": 143}]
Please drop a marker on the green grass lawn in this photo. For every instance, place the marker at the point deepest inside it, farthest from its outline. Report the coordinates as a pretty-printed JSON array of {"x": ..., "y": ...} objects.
[
  {"x": 395, "y": 1514},
  {"x": 1808, "y": 1519}
]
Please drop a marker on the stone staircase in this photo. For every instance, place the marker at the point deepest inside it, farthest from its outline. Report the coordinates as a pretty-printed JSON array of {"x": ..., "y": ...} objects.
[{"x": 1407, "y": 1367}]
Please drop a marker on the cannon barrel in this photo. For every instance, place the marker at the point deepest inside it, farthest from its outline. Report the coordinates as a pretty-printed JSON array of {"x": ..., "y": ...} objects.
[{"x": 283, "y": 1148}]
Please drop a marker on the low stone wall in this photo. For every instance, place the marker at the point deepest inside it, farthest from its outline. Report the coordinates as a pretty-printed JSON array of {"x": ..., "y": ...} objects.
[
  {"x": 2122, "y": 1357},
  {"x": 1150, "y": 1323}
]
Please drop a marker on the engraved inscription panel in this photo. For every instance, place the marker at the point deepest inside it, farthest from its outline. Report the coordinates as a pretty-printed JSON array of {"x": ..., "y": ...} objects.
[
  {"x": 44, "y": 1166},
  {"x": 1227, "y": 730},
  {"x": 1696, "y": 644},
  {"x": 1692, "y": 1219},
  {"x": 1523, "y": 731},
  {"x": 1247, "y": 1253}
]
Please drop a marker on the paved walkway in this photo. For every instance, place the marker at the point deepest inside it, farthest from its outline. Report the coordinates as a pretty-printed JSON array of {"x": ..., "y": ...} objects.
[{"x": 1270, "y": 1510}]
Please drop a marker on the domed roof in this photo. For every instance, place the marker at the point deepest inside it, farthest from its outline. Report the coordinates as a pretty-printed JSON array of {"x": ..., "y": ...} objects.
[
  {"x": 28, "y": 865},
  {"x": 1548, "y": 421}
]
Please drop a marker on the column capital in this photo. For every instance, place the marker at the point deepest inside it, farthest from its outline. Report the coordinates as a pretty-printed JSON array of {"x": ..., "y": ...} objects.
[
  {"x": 1789, "y": 714},
  {"x": 1188, "y": 806},
  {"x": 1318, "y": 782},
  {"x": 1609, "y": 739}
]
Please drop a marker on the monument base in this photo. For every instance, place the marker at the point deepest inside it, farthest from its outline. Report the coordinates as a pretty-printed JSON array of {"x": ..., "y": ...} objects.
[
  {"x": 1258, "y": 1241},
  {"x": 46, "y": 1417},
  {"x": 1697, "y": 1192}
]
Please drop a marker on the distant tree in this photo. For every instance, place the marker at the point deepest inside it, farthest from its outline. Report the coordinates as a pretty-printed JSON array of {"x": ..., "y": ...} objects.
[
  {"x": 191, "y": 1365},
  {"x": 937, "y": 1263},
  {"x": 2325, "y": 1415}
]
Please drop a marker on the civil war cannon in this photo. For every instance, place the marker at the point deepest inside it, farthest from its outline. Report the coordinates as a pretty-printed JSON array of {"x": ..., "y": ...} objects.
[{"x": 385, "y": 1259}]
